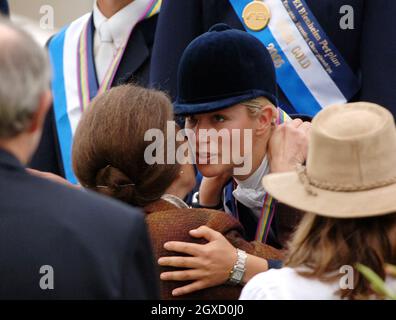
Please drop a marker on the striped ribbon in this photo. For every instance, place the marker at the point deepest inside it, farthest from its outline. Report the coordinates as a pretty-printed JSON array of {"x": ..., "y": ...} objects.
[
  {"x": 269, "y": 203},
  {"x": 310, "y": 70},
  {"x": 268, "y": 210},
  {"x": 82, "y": 57},
  {"x": 264, "y": 224}
]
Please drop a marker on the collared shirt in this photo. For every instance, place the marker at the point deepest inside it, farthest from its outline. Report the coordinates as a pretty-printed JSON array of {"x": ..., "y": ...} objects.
[
  {"x": 250, "y": 192},
  {"x": 119, "y": 25},
  {"x": 176, "y": 201}
]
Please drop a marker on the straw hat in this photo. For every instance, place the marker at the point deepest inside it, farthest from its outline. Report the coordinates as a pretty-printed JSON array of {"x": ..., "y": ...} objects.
[{"x": 351, "y": 165}]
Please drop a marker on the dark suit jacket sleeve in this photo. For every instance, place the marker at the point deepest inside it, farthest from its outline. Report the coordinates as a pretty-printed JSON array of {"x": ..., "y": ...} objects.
[
  {"x": 178, "y": 24},
  {"x": 378, "y": 54},
  {"x": 140, "y": 273}
]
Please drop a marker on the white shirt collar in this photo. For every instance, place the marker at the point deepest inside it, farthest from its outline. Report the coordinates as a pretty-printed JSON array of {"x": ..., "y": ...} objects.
[
  {"x": 250, "y": 192},
  {"x": 254, "y": 181},
  {"x": 123, "y": 21},
  {"x": 176, "y": 201}
]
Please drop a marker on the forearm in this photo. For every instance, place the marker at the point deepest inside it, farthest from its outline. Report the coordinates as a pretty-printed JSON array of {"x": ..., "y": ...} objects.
[
  {"x": 210, "y": 194},
  {"x": 254, "y": 265}
]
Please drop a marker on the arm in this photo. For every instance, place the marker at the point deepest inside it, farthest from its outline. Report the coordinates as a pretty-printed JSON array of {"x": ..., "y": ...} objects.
[
  {"x": 54, "y": 178},
  {"x": 208, "y": 265},
  {"x": 211, "y": 190},
  {"x": 288, "y": 145},
  {"x": 140, "y": 277}
]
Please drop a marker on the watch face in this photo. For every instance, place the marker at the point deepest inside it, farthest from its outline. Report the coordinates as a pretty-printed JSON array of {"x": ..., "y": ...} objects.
[{"x": 238, "y": 275}]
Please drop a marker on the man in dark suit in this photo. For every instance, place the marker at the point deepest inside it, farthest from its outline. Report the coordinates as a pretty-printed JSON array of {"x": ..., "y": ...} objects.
[
  {"x": 57, "y": 242},
  {"x": 106, "y": 28},
  {"x": 4, "y": 7},
  {"x": 369, "y": 47}
]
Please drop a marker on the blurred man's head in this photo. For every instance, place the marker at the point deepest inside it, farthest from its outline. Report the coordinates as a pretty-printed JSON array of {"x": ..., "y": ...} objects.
[{"x": 24, "y": 91}]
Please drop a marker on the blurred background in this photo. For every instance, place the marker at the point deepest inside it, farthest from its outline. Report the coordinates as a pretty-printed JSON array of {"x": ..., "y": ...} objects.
[{"x": 36, "y": 16}]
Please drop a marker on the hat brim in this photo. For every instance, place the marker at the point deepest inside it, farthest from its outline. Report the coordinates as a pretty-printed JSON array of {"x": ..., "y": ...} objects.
[
  {"x": 288, "y": 189},
  {"x": 182, "y": 109}
]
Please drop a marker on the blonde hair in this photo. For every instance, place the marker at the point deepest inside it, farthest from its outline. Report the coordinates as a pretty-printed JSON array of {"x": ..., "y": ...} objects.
[
  {"x": 255, "y": 107},
  {"x": 324, "y": 245}
]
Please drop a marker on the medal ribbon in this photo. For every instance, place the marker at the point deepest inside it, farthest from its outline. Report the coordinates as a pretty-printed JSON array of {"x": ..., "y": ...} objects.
[
  {"x": 269, "y": 203},
  {"x": 310, "y": 70}
]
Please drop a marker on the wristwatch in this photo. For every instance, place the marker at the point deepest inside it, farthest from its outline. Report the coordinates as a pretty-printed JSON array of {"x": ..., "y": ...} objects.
[{"x": 238, "y": 271}]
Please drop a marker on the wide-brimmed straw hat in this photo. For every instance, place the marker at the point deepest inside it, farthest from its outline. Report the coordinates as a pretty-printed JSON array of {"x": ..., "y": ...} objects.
[{"x": 351, "y": 166}]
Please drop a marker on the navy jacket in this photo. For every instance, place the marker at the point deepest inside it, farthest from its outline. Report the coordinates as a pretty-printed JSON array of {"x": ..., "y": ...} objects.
[
  {"x": 97, "y": 248},
  {"x": 4, "y": 7},
  {"x": 134, "y": 67},
  {"x": 370, "y": 48}
]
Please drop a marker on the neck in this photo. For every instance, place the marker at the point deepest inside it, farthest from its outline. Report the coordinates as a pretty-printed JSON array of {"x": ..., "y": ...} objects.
[
  {"x": 257, "y": 157},
  {"x": 18, "y": 148},
  {"x": 111, "y": 7}
]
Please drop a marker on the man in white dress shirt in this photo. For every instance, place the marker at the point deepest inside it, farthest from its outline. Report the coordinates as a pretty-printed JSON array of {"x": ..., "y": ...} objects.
[{"x": 107, "y": 47}]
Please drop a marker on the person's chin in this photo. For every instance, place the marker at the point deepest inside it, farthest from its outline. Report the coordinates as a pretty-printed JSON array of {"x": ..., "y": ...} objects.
[{"x": 212, "y": 170}]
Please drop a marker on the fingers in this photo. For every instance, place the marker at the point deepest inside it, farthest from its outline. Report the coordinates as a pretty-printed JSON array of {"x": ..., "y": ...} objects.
[
  {"x": 192, "y": 287},
  {"x": 295, "y": 123},
  {"x": 206, "y": 232},
  {"x": 179, "y": 262},
  {"x": 191, "y": 249},
  {"x": 306, "y": 127},
  {"x": 183, "y": 275}
]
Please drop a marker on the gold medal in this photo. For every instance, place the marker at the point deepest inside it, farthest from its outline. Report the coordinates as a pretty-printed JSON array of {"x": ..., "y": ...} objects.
[{"x": 256, "y": 15}]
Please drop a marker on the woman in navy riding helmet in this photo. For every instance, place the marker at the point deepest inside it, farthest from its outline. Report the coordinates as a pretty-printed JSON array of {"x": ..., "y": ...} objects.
[{"x": 227, "y": 85}]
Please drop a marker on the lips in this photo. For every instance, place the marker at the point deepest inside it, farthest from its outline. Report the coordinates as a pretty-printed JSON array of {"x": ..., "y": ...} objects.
[{"x": 206, "y": 158}]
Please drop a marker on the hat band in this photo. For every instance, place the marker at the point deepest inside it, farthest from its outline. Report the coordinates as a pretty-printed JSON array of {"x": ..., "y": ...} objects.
[{"x": 310, "y": 182}]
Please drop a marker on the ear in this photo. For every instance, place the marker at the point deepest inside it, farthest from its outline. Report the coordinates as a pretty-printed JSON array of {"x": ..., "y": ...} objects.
[
  {"x": 38, "y": 118},
  {"x": 265, "y": 120}
]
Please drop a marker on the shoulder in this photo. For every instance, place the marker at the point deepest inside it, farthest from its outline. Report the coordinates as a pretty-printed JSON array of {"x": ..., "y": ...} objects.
[
  {"x": 74, "y": 27},
  {"x": 215, "y": 219},
  {"x": 78, "y": 209},
  {"x": 96, "y": 221},
  {"x": 162, "y": 223},
  {"x": 269, "y": 285},
  {"x": 288, "y": 284},
  {"x": 148, "y": 26},
  {"x": 109, "y": 210}
]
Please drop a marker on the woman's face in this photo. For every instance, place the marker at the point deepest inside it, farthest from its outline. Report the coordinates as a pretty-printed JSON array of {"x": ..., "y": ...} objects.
[{"x": 221, "y": 139}]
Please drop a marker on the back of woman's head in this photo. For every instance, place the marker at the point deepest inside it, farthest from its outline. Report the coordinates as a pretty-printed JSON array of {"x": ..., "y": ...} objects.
[
  {"x": 324, "y": 245},
  {"x": 109, "y": 145}
]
